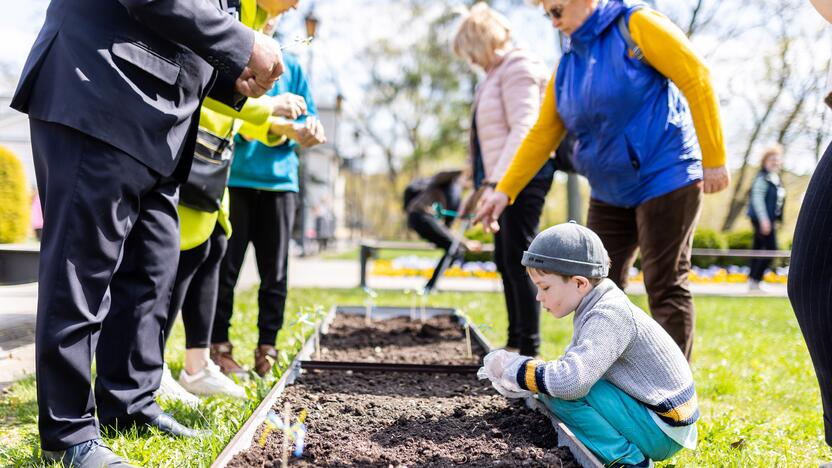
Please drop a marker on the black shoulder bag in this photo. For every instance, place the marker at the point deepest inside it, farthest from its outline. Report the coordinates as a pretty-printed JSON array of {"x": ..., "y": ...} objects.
[{"x": 209, "y": 172}]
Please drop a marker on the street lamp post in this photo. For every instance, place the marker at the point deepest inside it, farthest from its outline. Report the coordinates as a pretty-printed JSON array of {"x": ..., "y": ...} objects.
[{"x": 311, "y": 21}]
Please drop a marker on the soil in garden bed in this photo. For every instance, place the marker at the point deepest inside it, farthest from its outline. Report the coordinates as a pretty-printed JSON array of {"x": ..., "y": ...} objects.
[
  {"x": 398, "y": 340},
  {"x": 394, "y": 419}
]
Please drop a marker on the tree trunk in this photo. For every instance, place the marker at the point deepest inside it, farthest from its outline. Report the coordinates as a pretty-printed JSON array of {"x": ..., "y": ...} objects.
[{"x": 739, "y": 198}]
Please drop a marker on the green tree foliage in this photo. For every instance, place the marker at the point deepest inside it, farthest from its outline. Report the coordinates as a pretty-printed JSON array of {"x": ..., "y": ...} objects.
[
  {"x": 418, "y": 100},
  {"x": 14, "y": 199}
]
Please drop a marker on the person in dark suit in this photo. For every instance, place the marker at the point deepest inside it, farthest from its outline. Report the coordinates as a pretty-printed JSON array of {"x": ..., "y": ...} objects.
[
  {"x": 810, "y": 269},
  {"x": 112, "y": 89}
]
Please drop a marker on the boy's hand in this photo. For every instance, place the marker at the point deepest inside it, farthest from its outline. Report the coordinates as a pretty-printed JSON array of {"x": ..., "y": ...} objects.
[
  {"x": 497, "y": 365},
  {"x": 496, "y": 361},
  {"x": 289, "y": 105}
]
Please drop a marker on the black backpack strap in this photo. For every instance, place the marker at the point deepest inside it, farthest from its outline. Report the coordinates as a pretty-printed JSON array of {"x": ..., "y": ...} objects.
[{"x": 624, "y": 29}]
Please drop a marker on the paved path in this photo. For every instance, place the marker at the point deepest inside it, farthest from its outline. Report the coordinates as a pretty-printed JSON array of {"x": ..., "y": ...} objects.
[
  {"x": 17, "y": 331},
  {"x": 18, "y": 303}
]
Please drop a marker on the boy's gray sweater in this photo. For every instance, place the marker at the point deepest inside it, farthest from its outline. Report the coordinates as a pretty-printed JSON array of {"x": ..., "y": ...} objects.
[{"x": 615, "y": 340}]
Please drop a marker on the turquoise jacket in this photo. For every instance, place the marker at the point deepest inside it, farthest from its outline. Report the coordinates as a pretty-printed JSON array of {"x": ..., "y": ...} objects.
[{"x": 275, "y": 168}]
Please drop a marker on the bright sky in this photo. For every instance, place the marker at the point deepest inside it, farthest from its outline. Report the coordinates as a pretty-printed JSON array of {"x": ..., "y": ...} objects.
[{"x": 348, "y": 26}]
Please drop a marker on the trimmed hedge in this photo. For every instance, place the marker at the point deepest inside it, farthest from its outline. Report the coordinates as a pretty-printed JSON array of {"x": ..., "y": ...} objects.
[
  {"x": 15, "y": 205},
  {"x": 707, "y": 239}
]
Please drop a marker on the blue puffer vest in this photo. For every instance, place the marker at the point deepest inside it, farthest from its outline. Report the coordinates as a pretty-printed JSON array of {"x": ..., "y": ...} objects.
[{"x": 636, "y": 139}]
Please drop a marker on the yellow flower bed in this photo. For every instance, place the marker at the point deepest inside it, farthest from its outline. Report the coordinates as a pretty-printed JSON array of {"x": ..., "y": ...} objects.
[{"x": 386, "y": 268}]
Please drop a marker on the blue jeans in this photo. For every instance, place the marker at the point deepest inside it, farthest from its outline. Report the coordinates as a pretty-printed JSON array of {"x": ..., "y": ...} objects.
[{"x": 613, "y": 425}]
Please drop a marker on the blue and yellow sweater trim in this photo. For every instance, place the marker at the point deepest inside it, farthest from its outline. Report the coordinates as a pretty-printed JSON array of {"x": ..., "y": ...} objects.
[
  {"x": 530, "y": 376},
  {"x": 681, "y": 409}
]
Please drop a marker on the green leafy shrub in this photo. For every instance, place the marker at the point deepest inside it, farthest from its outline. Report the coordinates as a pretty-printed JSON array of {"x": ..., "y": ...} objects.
[
  {"x": 707, "y": 239},
  {"x": 15, "y": 204},
  {"x": 742, "y": 239}
]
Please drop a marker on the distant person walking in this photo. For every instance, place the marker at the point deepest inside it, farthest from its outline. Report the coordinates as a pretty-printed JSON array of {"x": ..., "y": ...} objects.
[
  {"x": 506, "y": 104},
  {"x": 810, "y": 270},
  {"x": 765, "y": 209},
  {"x": 640, "y": 102}
]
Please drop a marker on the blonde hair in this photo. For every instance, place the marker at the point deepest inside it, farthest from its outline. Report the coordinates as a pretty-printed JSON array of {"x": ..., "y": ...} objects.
[
  {"x": 482, "y": 31},
  {"x": 770, "y": 152}
]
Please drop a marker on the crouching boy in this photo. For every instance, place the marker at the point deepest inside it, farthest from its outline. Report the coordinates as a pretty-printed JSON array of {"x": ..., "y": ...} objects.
[{"x": 622, "y": 386}]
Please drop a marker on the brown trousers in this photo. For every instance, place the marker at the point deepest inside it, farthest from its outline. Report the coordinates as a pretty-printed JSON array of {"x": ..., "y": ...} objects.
[{"x": 662, "y": 229}]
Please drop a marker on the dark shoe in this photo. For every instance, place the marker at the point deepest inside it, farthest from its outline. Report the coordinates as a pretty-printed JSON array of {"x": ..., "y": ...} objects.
[
  {"x": 221, "y": 355},
  {"x": 264, "y": 358},
  {"x": 167, "y": 424},
  {"x": 90, "y": 454}
]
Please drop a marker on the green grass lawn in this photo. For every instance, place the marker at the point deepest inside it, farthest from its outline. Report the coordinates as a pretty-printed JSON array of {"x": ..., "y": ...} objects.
[{"x": 758, "y": 395}]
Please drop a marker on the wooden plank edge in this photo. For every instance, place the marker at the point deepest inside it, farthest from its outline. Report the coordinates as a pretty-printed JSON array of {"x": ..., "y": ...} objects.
[{"x": 566, "y": 438}]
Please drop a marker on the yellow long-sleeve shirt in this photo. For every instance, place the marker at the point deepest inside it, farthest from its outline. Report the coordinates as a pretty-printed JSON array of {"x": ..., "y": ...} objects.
[{"x": 667, "y": 50}]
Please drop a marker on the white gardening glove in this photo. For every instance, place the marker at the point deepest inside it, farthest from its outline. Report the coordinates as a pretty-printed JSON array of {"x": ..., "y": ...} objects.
[
  {"x": 498, "y": 363},
  {"x": 495, "y": 362}
]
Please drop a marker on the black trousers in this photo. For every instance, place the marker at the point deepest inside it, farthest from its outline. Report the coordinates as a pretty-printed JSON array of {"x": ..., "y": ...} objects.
[
  {"x": 108, "y": 258},
  {"x": 430, "y": 229},
  {"x": 518, "y": 226},
  {"x": 264, "y": 219},
  {"x": 810, "y": 279},
  {"x": 762, "y": 242},
  {"x": 195, "y": 289}
]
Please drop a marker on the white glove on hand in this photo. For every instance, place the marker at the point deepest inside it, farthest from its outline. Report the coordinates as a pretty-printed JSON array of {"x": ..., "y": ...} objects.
[
  {"x": 496, "y": 361},
  {"x": 498, "y": 364}
]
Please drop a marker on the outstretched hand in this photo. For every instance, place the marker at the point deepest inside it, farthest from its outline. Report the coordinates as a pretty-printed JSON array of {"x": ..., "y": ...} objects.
[
  {"x": 497, "y": 365},
  {"x": 491, "y": 207},
  {"x": 289, "y": 105}
]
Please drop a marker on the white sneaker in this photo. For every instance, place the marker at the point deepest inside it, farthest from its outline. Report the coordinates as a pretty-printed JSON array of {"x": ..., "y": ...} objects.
[
  {"x": 211, "y": 381},
  {"x": 169, "y": 389}
]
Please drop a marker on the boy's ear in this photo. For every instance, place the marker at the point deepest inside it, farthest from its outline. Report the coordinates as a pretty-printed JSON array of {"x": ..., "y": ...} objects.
[{"x": 583, "y": 282}]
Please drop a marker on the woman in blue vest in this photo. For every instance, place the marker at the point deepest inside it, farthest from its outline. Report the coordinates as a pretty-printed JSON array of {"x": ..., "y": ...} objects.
[
  {"x": 640, "y": 102},
  {"x": 765, "y": 208}
]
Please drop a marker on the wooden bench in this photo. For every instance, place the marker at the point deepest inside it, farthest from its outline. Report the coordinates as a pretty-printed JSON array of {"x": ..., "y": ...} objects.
[
  {"x": 19, "y": 263},
  {"x": 370, "y": 248}
]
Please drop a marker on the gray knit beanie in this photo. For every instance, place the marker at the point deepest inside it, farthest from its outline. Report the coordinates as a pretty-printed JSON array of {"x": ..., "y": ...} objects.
[{"x": 568, "y": 249}]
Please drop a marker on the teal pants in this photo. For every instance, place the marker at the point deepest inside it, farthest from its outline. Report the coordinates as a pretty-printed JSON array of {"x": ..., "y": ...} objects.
[{"x": 613, "y": 425}]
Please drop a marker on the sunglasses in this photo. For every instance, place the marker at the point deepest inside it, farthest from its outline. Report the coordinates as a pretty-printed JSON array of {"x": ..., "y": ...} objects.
[{"x": 556, "y": 12}]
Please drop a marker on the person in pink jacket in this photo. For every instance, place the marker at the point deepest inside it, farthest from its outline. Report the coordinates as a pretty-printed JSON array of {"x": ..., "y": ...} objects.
[{"x": 506, "y": 105}]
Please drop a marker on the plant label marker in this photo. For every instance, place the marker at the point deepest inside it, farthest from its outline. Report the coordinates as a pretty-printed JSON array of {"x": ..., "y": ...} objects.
[
  {"x": 287, "y": 415},
  {"x": 468, "y": 339},
  {"x": 369, "y": 305},
  {"x": 412, "y": 294},
  {"x": 422, "y": 304}
]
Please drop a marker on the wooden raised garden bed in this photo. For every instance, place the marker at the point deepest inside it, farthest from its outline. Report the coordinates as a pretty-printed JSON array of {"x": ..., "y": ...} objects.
[{"x": 400, "y": 392}]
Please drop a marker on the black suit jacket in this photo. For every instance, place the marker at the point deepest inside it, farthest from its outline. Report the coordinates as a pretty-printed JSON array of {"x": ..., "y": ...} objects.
[{"x": 133, "y": 73}]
